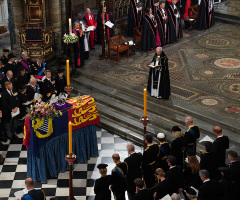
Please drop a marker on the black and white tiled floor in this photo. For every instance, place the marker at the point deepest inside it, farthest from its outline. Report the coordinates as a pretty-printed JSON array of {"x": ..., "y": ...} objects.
[{"x": 14, "y": 169}]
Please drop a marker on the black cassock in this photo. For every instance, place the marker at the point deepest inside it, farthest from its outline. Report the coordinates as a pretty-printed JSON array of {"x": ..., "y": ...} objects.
[
  {"x": 101, "y": 188},
  {"x": 99, "y": 30},
  {"x": 148, "y": 40},
  {"x": 162, "y": 25},
  {"x": 134, "y": 17},
  {"x": 174, "y": 24},
  {"x": 205, "y": 18},
  {"x": 79, "y": 49},
  {"x": 158, "y": 79}
]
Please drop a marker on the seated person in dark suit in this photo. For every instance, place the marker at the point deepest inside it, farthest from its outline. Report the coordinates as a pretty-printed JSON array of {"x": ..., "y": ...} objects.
[
  {"x": 32, "y": 88},
  {"x": 60, "y": 82},
  {"x": 141, "y": 192},
  {"x": 11, "y": 65},
  {"x": 48, "y": 87},
  {"x": 22, "y": 78},
  {"x": 32, "y": 193},
  {"x": 37, "y": 69},
  {"x": 9, "y": 106},
  {"x": 7, "y": 77},
  {"x": 174, "y": 174},
  {"x": 24, "y": 62},
  {"x": 134, "y": 162},
  {"x": 163, "y": 187},
  {"x": 208, "y": 190}
]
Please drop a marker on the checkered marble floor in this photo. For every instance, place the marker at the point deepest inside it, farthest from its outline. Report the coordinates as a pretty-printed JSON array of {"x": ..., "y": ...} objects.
[{"x": 14, "y": 169}]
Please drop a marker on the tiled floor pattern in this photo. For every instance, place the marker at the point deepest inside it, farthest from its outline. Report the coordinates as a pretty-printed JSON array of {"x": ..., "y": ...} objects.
[{"x": 14, "y": 169}]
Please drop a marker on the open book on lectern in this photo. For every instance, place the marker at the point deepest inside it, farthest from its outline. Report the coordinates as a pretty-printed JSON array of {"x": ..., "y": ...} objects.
[{"x": 154, "y": 66}]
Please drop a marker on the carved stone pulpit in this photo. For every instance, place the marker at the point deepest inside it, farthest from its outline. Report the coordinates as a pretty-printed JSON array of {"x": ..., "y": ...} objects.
[{"x": 35, "y": 38}]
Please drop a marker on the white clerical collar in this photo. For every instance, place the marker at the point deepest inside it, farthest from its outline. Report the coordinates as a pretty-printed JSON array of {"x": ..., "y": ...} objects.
[
  {"x": 132, "y": 153},
  {"x": 206, "y": 180},
  {"x": 172, "y": 167},
  {"x": 77, "y": 29},
  {"x": 219, "y": 136}
]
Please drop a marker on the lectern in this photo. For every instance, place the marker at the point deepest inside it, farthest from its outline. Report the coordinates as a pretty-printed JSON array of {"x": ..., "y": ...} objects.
[{"x": 35, "y": 38}]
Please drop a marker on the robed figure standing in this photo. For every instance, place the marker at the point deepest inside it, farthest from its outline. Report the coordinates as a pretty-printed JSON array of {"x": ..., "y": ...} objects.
[
  {"x": 134, "y": 16},
  {"x": 78, "y": 46},
  {"x": 149, "y": 38},
  {"x": 158, "y": 79},
  {"x": 100, "y": 25},
  {"x": 90, "y": 21},
  {"x": 162, "y": 22},
  {"x": 205, "y": 17},
  {"x": 174, "y": 22}
]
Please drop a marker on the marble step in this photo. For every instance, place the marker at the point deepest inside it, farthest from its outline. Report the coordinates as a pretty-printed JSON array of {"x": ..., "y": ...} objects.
[{"x": 119, "y": 114}]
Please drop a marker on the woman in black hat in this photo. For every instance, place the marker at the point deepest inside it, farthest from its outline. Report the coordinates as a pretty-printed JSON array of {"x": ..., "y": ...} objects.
[
  {"x": 191, "y": 171},
  {"x": 208, "y": 160},
  {"x": 102, "y": 184},
  {"x": 4, "y": 58},
  {"x": 177, "y": 146}
]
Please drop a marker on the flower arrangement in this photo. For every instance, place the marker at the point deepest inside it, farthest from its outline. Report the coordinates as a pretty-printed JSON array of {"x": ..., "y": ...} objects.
[
  {"x": 42, "y": 111},
  {"x": 71, "y": 38}
]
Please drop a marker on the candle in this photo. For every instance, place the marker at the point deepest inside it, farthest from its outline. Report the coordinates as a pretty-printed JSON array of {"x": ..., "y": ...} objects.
[
  {"x": 68, "y": 74},
  {"x": 70, "y": 26},
  {"x": 145, "y": 102},
  {"x": 70, "y": 137}
]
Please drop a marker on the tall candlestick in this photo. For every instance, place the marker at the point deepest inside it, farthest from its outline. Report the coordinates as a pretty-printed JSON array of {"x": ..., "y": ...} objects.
[
  {"x": 145, "y": 102},
  {"x": 70, "y": 26},
  {"x": 70, "y": 137},
  {"x": 68, "y": 73}
]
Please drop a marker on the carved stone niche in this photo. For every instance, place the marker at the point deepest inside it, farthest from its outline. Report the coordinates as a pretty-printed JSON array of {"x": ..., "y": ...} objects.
[{"x": 35, "y": 12}]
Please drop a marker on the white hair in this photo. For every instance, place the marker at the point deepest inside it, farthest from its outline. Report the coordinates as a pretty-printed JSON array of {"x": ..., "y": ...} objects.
[
  {"x": 175, "y": 196},
  {"x": 24, "y": 53},
  {"x": 32, "y": 79}
]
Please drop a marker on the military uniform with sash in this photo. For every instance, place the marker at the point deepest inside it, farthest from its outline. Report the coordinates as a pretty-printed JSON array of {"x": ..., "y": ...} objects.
[
  {"x": 150, "y": 156},
  {"x": 162, "y": 159},
  {"x": 190, "y": 137}
]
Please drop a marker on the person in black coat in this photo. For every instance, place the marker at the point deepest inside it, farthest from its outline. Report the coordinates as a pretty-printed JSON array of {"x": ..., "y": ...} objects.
[
  {"x": 174, "y": 23},
  {"x": 178, "y": 146},
  {"x": 220, "y": 145},
  {"x": 32, "y": 88},
  {"x": 150, "y": 156},
  {"x": 32, "y": 193},
  {"x": 148, "y": 36},
  {"x": 134, "y": 162},
  {"x": 47, "y": 87},
  {"x": 22, "y": 78},
  {"x": 207, "y": 161},
  {"x": 205, "y": 18},
  {"x": 158, "y": 78},
  {"x": 7, "y": 77},
  {"x": 60, "y": 82},
  {"x": 174, "y": 174},
  {"x": 164, "y": 152},
  {"x": 163, "y": 187},
  {"x": 234, "y": 166},
  {"x": 101, "y": 188},
  {"x": 4, "y": 58},
  {"x": 191, "y": 171},
  {"x": 119, "y": 173},
  {"x": 11, "y": 65},
  {"x": 191, "y": 135},
  {"x": 141, "y": 192},
  {"x": 9, "y": 106},
  {"x": 224, "y": 184},
  {"x": 208, "y": 190}
]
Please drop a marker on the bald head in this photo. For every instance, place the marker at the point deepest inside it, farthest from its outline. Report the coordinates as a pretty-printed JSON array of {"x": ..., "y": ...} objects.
[
  {"x": 159, "y": 50},
  {"x": 217, "y": 130},
  {"x": 88, "y": 11},
  {"x": 188, "y": 121},
  {"x": 29, "y": 183}
]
